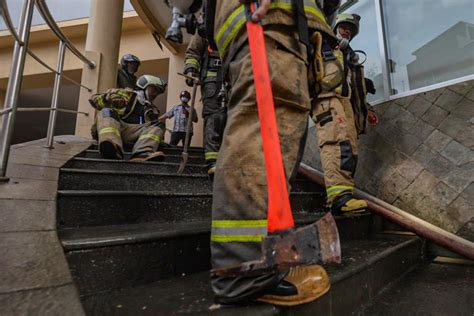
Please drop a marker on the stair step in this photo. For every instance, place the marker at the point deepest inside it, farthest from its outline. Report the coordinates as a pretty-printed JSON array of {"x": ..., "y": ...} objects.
[
  {"x": 100, "y": 208},
  {"x": 436, "y": 289},
  {"x": 78, "y": 179},
  {"x": 110, "y": 257},
  {"x": 124, "y": 165},
  {"x": 175, "y": 150},
  {"x": 118, "y": 180},
  {"x": 367, "y": 266},
  {"x": 174, "y": 156}
]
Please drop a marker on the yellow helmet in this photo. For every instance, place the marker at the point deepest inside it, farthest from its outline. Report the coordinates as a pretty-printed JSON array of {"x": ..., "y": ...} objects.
[{"x": 351, "y": 19}]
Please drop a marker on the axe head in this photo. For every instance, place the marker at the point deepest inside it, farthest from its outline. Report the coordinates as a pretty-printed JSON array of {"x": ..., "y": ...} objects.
[{"x": 313, "y": 244}]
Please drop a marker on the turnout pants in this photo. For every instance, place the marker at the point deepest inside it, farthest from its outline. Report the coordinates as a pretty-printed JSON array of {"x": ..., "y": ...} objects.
[
  {"x": 239, "y": 208},
  {"x": 145, "y": 137},
  {"x": 214, "y": 121}
]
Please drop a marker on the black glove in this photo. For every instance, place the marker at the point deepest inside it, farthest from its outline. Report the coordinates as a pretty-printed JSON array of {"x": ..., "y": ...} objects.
[
  {"x": 191, "y": 71},
  {"x": 369, "y": 85}
]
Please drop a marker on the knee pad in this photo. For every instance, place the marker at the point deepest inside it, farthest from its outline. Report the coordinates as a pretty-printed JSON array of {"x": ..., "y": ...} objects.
[{"x": 107, "y": 112}]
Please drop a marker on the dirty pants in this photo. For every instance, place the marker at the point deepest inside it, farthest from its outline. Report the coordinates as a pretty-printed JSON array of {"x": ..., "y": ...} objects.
[
  {"x": 239, "y": 207},
  {"x": 337, "y": 141},
  {"x": 145, "y": 137},
  {"x": 214, "y": 120}
]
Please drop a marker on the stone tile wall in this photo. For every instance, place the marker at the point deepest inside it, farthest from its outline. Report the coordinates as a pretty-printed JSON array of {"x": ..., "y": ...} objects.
[{"x": 420, "y": 157}]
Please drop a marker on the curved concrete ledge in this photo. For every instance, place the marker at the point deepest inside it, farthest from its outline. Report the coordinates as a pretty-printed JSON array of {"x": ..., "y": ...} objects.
[{"x": 35, "y": 277}]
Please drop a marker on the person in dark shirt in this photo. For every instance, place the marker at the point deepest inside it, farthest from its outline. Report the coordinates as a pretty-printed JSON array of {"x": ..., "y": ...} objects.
[{"x": 126, "y": 74}]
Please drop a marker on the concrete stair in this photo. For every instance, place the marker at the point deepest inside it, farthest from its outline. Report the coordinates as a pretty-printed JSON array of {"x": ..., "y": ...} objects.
[{"x": 136, "y": 237}]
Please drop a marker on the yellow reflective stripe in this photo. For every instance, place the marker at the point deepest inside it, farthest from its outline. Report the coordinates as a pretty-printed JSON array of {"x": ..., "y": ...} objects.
[
  {"x": 237, "y": 19},
  {"x": 236, "y": 238},
  {"x": 239, "y": 224},
  {"x": 337, "y": 189},
  {"x": 211, "y": 74},
  {"x": 211, "y": 155},
  {"x": 193, "y": 61},
  {"x": 109, "y": 130},
  {"x": 150, "y": 136}
]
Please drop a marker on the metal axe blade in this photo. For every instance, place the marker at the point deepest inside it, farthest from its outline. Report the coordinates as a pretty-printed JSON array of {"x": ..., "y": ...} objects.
[{"x": 312, "y": 244}]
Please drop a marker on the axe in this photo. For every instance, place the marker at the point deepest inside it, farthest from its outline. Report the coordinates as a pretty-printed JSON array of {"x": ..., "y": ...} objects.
[
  {"x": 185, "y": 155},
  {"x": 284, "y": 246}
]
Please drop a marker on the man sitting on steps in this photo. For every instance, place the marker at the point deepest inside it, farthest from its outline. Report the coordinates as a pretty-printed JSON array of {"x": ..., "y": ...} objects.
[{"x": 130, "y": 116}]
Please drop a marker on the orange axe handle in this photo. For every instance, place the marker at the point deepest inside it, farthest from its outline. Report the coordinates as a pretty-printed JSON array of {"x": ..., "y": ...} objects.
[{"x": 279, "y": 212}]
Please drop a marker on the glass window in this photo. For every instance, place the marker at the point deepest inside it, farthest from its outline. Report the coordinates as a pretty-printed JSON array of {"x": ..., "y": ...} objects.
[
  {"x": 61, "y": 10},
  {"x": 368, "y": 41},
  {"x": 429, "y": 41}
]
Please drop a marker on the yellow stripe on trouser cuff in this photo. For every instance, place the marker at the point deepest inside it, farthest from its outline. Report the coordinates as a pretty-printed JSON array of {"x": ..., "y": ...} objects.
[
  {"x": 238, "y": 231},
  {"x": 211, "y": 74},
  {"x": 107, "y": 130},
  {"x": 338, "y": 189},
  {"x": 211, "y": 155},
  {"x": 237, "y": 19},
  {"x": 194, "y": 62},
  {"x": 150, "y": 136}
]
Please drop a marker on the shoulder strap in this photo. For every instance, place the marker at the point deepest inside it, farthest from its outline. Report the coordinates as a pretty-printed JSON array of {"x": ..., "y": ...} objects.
[{"x": 210, "y": 16}]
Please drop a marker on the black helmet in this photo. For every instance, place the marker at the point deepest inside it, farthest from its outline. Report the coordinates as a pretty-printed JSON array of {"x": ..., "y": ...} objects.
[
  {"x": 129, "y": 58},
  {"x": 185, "y": 94}
]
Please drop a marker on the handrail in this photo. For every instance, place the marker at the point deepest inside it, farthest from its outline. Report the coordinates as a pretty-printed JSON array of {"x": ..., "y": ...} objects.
[
  {"x": 48, "y": 18},
  {"x": 35, "y": 57},
  {"x": 394, "y": 214},
  {"x": 20, "y": 50},
  {"x": 8, "y": 21}
]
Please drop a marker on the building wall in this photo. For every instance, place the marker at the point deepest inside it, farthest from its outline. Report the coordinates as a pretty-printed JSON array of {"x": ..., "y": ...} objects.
[
  {"x": 136, "y": 39},
  {"x": 420, "y": 157}
]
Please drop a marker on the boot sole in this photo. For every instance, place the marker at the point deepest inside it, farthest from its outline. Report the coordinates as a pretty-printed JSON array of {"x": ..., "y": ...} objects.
[{"x": 292, "y": 300}]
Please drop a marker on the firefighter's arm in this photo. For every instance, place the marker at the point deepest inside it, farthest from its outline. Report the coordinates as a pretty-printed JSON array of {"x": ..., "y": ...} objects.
[
  {"x": 98, "y": 101},
  {"x": 261, "y": 11},
  {"x": 194, "y": 53}
]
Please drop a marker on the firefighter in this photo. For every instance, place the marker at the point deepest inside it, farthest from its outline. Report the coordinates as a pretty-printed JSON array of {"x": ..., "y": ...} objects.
[
  {"x": 126, "y": 77},
  {"x": 129, "y": 116},
  {"x": 204, "y": 63},
  {"x": 346, "y": 28},
  {"x": 240, "y": 188}
]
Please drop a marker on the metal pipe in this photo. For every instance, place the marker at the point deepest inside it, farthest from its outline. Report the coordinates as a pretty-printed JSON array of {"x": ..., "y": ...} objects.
[
  {"x": 412, "y": 223},
  {"x": 48, "y": 18},
  {"x": 55, "y": 99},
  {"x": 14, "y": 84},
  {"x": 8, "y": 21},
  {"x": 48, "y": 110},
  {"x": 35, "y": 57}
]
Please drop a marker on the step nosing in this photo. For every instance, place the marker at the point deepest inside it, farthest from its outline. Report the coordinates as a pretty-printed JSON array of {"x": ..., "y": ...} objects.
[
  {"x": 128, "y": 162},
  {"x": 374, "y": 259},
  {"x": 131, "y": 237},
  {"x": 128, "y": 173},
  {"x": 129, "y": 193}
]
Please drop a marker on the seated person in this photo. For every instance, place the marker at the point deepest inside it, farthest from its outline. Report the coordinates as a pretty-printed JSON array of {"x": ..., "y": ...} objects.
[
  {"x": 129, "y": 115},
  {"x": 181, "y": 113}
]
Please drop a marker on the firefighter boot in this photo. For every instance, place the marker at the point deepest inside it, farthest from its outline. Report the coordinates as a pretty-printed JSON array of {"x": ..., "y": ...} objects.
[
  {"x": 303, "y": 284},
  {"x": 156, "y": 156},
  {"x": 346, "y": 204},
  {"x": 108, "y": 150}
]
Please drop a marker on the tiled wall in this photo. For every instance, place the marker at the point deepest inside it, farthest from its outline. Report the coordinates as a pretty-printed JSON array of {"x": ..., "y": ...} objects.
[{"x": 420, "y": 157}]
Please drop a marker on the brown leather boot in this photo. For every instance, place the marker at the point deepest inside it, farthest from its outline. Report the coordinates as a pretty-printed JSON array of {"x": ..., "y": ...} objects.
[
  {"x": 156, "y": 156},
  {"x": 303, "y": 284}
]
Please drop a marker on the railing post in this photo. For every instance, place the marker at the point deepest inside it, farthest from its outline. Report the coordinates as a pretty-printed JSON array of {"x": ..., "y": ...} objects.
[
  {"x": 54, "y": 101},
  {"x": 14, "y": 85}
]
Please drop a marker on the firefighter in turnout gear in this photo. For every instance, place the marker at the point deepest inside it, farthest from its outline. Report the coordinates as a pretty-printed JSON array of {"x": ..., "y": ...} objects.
[
  {"x": 299, "y": 74},
  {"x": 205, "y": 63},
  {"x": 346, "y": 28},
  {"x": 127, "y": 115},
  {"x": 126, "y": 73}
]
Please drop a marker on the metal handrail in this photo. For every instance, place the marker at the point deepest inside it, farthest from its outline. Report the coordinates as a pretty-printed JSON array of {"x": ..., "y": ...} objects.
[
  {"x": 20, "y": 51},
  {"x": 48, "y": 18},
  {"x": 8, "y": 21},
  {"x": 5, "y": 111},
  {"x": 35, "y": 57}
]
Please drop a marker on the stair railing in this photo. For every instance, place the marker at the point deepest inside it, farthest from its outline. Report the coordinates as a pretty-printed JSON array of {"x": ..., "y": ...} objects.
[{"x": 20, "y": 50}]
